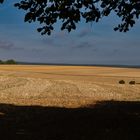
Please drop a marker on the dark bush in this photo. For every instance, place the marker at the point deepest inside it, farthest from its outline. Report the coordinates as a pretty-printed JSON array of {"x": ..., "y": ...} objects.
[
  {"x": 1, "y": 62},
  {"x": 10, "y": 61},
  {"x": 121, "y": 82},
  {"x": 132, "y": 82}
]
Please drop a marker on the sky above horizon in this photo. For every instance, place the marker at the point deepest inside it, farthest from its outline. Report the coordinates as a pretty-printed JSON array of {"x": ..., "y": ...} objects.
[{"x": 89, "y": 44}]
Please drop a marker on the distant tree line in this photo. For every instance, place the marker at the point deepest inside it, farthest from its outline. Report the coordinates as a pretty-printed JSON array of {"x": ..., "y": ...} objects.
[{"x": 9, "y": 61}]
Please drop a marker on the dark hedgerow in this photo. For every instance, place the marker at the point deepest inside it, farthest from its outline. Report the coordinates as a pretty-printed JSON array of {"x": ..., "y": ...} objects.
[{"x": 9, "y": 61}]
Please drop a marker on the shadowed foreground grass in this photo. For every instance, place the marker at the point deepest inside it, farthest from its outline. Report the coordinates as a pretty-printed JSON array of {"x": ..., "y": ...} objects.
[{"x": 107, "y": 120}]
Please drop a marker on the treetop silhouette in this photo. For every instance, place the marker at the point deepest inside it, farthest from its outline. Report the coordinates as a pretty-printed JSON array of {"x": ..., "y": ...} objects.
[{"x": 71, "y": 12}]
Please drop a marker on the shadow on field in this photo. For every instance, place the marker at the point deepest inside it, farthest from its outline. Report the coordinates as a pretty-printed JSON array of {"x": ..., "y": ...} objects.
[{"x": 108, "y": 120}]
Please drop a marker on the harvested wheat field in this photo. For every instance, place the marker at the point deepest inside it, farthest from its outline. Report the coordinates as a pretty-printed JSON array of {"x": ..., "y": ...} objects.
[
  {"x": 66, "y": 86},
  {"x": 69, "y": 103}
]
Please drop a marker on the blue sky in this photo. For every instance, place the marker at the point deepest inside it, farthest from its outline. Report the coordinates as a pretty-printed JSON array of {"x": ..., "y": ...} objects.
[{"x": 89, "y": 44}]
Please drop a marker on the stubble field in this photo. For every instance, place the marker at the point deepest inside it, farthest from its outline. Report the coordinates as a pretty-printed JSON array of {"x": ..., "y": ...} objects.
[{"x": 66, "y": 86}]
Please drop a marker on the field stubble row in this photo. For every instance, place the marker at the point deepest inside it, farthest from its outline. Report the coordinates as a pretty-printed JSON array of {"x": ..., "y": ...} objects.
[{"x": 15, "y": 88}]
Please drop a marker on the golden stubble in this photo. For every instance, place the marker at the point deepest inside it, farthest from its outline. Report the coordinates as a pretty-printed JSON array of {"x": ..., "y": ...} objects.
[{"x": 66, "y": 86}]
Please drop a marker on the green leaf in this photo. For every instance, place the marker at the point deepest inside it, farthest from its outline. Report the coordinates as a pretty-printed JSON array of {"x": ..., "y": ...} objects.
[
  {"x": 1, "y": 1},
  {"x": 28, "y": 17}
]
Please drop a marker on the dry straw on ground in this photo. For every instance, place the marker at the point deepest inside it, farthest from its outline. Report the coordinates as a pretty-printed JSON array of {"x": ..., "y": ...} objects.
[{"x": 66, "y": 86}]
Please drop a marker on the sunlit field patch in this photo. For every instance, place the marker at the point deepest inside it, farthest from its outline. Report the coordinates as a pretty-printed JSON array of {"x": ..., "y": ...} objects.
[{"x": 67, "y": 86}]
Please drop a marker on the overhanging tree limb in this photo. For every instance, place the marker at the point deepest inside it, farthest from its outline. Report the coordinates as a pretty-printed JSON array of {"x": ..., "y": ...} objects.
[{"x": 70, "y": 12}]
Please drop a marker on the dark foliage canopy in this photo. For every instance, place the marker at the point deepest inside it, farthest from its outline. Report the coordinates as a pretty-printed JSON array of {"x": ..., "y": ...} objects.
[
  {"x": 10, "y": 61},
  {"x": 70, "y": 12}
]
